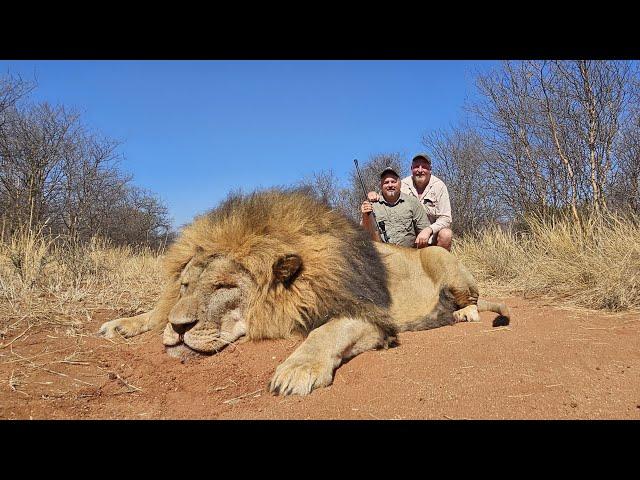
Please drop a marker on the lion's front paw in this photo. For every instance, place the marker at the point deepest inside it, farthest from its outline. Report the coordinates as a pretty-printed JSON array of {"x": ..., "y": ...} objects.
[
  {"x": 121, "y": 327},
  {"x": 300, "y": 375}
]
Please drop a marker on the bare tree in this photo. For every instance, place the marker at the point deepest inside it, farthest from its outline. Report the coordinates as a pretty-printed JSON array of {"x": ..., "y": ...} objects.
[
  {"x": 624, "y": 193},
  {"x": 597, "y": 93},
  {"x": 91, "y": 185},
  {"x": 326, "y": 186},
  {"x": 139, "y": 218},
  {"x": 461, "y": 159},
  {"x": 33, "y": 146},
  {"x": 55, "y": 172},
  {"x": 508, "y": 119},
  {"x": 12, "y": 89},
  {"x": 551, "y": 128}
]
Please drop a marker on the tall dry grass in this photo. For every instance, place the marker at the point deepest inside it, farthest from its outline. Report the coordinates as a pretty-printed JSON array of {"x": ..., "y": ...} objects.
[
  {"x": 44, "y": 280},
  {"x": 593, "y": 265}
]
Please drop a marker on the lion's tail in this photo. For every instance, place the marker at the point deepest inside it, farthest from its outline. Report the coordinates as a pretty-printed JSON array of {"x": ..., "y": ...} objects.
[
  {"x": 504, "y": 316},
  {"x": 440, "y": 316}
]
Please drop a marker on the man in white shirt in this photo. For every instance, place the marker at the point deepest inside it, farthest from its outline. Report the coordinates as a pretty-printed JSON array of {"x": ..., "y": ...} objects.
[{"x": 433, "y": 195}]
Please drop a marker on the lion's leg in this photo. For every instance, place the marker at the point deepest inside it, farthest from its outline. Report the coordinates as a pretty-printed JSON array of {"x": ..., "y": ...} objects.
[
  {"x": 131, "y": 326},
  {"x": 156, "y": 319},
  {"x": 465, "y": 292},
  {"x": 312, "y": 364}
]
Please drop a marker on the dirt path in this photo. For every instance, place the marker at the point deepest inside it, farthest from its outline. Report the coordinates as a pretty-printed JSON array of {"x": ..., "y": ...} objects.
[{"x": 550, "y": 363}]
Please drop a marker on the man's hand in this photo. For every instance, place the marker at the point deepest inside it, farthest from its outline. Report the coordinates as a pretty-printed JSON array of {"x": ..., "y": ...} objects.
[
  {"x": 423, "y": 237},
  {"x": 367, "y": 221},
  {"x": 372, "y": 196},
  {"x": 366, "y": 207}
]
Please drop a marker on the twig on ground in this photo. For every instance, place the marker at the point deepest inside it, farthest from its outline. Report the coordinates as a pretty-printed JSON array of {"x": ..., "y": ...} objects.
[
  {"x": 114, "y": 375},
  {"x": 496, "y": 329},
  {"x": 13, "y": 383},
  {"x": 71, "y": 362},
  {"x": 236, "y": 399},
  {"x": 217, "y": 389},
  {"x": 17, "y": 321},
  {"x": 39, "y": 367},
  {"x": 25, "y": 359},
  {"x": 4, "y": 345}
]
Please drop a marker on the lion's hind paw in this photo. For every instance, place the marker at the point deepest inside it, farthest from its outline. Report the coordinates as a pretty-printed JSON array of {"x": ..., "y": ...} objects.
[{"x": 467, "y": 314}]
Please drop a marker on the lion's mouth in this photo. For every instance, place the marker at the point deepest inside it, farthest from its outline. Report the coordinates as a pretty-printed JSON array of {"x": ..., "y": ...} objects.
[
  {"x": 185, "y": 339},
  {"x": 183, "y": 349}
]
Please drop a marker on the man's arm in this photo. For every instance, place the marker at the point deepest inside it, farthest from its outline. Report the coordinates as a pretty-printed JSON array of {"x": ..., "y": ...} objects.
[
  {"x": 423, "y": 226},
  {"x": 443, "y": 211},
  {"x": 368, "y": 222}
]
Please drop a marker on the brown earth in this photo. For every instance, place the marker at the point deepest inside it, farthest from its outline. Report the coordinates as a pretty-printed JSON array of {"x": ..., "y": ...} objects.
[{"x": 549, "y": 363}]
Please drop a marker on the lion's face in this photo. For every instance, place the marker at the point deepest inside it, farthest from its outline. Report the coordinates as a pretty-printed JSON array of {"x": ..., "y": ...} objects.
[{"x": 209, "y": 313}]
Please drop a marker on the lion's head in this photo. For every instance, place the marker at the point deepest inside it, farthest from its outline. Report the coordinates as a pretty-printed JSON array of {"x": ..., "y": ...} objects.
[
  {"x": 212, "y": 300},
  {"x": 215, "y": 292}
]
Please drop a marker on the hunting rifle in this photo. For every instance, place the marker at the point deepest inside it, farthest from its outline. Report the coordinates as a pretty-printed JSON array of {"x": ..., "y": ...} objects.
[{"x": 382, "y": 234}]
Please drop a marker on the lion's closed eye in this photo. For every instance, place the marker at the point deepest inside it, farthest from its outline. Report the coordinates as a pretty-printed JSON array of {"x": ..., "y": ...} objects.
[{"x": 221, "y": 285}]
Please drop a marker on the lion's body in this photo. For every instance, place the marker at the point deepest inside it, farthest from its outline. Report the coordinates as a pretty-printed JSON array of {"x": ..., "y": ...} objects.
[
  {"x": 287, "y": 265},
  {"x": 415, "y": 277}
]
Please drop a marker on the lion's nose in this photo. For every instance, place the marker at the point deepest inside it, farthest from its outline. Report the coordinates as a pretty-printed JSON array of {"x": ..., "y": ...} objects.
[
  {"x": 178, "y": 320},
  {"x": 174, "y": 334}
]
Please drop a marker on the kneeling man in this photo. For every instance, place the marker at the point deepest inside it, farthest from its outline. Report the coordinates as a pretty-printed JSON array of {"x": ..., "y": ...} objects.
[
  {"x": 432, "y": 193},
  {"x": 401, "y": 218}
]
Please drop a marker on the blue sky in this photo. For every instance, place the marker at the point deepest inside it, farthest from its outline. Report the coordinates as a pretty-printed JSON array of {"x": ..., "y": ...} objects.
[{"x": 194, "y": 130}]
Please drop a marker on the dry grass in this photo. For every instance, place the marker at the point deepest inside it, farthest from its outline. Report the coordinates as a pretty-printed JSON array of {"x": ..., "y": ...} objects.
[
  {"x": 46, "y": 281},
  {"x": 53, "y": 296},
  {"x": 596, "y": 265}
]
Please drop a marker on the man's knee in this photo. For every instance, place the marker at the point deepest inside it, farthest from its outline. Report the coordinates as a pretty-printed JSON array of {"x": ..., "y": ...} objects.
[{"x": 444, "y": 238}]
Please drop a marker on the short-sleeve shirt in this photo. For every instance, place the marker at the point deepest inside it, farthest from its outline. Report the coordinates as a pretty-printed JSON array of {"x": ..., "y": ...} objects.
[{"x": 399, "y": 219}]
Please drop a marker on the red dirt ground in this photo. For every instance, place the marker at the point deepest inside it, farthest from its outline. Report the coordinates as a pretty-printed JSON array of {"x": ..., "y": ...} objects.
[{"x": 550, "y": 363}]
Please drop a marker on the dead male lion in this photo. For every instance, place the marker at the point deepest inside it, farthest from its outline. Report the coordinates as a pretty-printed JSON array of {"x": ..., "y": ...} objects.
[{"x": 279, "y": 263}]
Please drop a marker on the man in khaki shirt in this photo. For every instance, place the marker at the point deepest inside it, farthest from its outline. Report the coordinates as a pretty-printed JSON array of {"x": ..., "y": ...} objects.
[
  {"x": 433, "y": 195},
  {"x": 401, "y": 218}
]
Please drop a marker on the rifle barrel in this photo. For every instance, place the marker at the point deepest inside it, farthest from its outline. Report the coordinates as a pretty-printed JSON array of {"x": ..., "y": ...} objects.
[{"x": 364, "y": 190}]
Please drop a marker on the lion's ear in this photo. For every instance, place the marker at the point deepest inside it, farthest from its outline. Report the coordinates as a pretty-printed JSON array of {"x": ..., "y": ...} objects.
[{"x": 287, "y": 267}]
